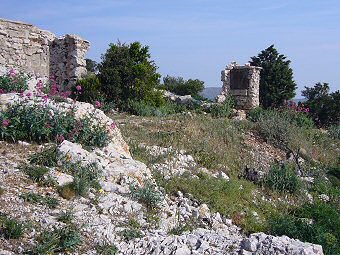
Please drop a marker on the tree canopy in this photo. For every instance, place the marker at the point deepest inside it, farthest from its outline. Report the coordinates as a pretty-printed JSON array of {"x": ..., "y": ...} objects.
[{"x": 276, "y": 84}]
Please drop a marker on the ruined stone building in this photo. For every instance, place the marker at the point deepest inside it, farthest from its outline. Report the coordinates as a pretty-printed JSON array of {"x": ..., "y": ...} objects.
[
  {"x": 41, "y": 53},
  {"x": 242, "y": 83}
]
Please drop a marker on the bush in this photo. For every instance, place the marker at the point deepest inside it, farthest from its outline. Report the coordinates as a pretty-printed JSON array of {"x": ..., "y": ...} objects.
[
  {"x": 324, "y": 228},
  {"x": 87, "y": 89},
  {"x": 42, "y": 124},
  {"x": 127, "y": 73},
  {"x": 13, "y": 82},
  {"x": 147, "y": 195},
  {"x": 10, "y": 228},
  {"x": 130, "y": 234},
  {"x": 183, "y": 87},
  {"x": 47, "y": 157},
  {"x": 255, "y": 114},
  {"x": 57, "y": 241},
  {"x": 144, "y": 109},
  {"x": 282, "y": 179},
  {"x": 222, "y": 110}
]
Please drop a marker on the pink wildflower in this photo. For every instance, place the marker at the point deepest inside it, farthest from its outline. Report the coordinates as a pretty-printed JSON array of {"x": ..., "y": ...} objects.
[
  {"x": 60, "y": 138},
  {"x": 5, "y": 123},
  {"x": 2, "y": 91},
  {"x": 29, "y": 94},
  {"x": 97, "y": 104},
  {"x": 113, "y": 125},
  {"x": 78, "y": 88},
  {"x": 12, "y": 73}
]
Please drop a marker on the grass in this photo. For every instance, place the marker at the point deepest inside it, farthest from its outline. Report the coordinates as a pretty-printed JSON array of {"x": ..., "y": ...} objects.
[
  {"x": 35, "y": 173},
  {"x": 66, "y": 217},
  {"x": 34, "y": 198},
  {"x": 10, "y": 228},
  {"x": 131, "y": 233}
]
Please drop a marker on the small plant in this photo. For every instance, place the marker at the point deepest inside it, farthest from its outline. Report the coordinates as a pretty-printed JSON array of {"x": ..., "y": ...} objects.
[
  {"x": 47, "y": 157},
  {"x": 10, "y": 228},
  {"x": 282, "y": 179},
  {"x": 106, "y": 249},
  {"x": 147, "y": 195},
  {"x": 35, "y": 173},
  {"x": 130, "y": 234},
  {"x": 66, "y": 217},
  {"x": 34, "y": 198},
  {"x": 85, "y": 177},
  {"x": 2, "y": 191},
  {"x": 57, "y": 241}
]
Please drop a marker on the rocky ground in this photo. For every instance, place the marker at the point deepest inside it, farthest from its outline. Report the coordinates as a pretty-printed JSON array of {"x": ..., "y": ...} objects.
[{"x": 178, "y": 224}]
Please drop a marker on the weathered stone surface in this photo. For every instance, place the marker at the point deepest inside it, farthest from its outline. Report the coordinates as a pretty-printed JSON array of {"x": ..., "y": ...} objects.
[
  {"x": 245, "y": 89},
  {"x": 40, "y": 53}
]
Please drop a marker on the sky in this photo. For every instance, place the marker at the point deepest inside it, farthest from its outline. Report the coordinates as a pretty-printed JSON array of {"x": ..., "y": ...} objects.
[{"x": 197, "y": 38}]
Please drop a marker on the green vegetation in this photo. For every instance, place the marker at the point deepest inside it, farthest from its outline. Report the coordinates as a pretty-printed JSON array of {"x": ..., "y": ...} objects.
[
  {"x": 36, "y": 173},
  {"x": 10, "y": 228},
  {"x": 276, "y": 84},
  {"x": 66, "y": 217},
  {"x": 57, "y": 241},
  {"x": 148, "y": 195},
  {"x": 131, "y": 233},
  {"x": 48, "y": 157},
  {"x": 183, "y": 87},
  {"x": 85, "y": 177},
  {"x": 282, "y": 179},
  {"x": 42, "y": 124},
  {"x": 127, "y": 73},
  {"x": 34, "y": 198},
  {"x": 324, "y": 106},
  {"x": 107, "y": 249},
  {"x": 224, "y": 109},
  {"x": 13, "y": 81}
]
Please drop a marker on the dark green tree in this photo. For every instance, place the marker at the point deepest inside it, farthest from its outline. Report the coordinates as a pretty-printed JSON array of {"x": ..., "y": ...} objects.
[
  {"x": 127, "y": 74},
  {"x": 323, "y": 105},
  {"x": 91, "y": 65},
  {"x": 276, "y": 84},
  {"x": 183, "y": 87}
]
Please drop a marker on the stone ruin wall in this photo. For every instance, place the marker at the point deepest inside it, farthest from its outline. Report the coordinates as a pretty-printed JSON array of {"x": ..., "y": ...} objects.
[
  {"x": 40, "y": 53},
  {"x": 246, "y": 98}
]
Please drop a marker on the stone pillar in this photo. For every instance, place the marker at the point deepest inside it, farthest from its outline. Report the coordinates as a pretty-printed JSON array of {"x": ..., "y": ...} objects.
[
  {"x": 241, "y": 82},
  {"x": 67, "y": 58}
]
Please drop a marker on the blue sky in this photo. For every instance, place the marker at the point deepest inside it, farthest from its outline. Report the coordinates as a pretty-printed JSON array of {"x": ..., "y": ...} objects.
[{"x": 198, "y": 38}]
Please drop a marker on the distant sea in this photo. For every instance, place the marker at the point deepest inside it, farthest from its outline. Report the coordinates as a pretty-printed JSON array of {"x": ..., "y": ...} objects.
[{"x": 212, "y": 92}]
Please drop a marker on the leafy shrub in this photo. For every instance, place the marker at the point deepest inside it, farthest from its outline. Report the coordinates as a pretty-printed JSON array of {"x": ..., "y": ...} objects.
[
  {"x": 10, "y": 228},
  {"x": 40, "y": 124},
  {"x": 48, "y": 157},
  {"x": 87, "y": 89},
  {"x": 13, "y": 82},
  {"x": 183, "y": 87},
  {"x": 34, "y": 198},
  {"x": 283, "y": 179},
  {"x": 255, "y": 114},
  {"x": 36, "y": 173},
  {"x": 57, "y": 241},
  {"x": 324, "y": 106},
  {"x": 107, "y": 249},
  {"x": 334, "y": 131},
  {"x": 324, "y": 228},
  {"x": 127, "y": 73},
  {"x": 148, "y": 194},
  {"x": 222, "y": 110}
]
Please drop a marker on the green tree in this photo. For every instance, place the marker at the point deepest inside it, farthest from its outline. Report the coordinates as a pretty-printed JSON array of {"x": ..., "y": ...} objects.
[
  {"x": 91, "y": 65},
  {"x": 127, "y": 74},
  {"x": 183, "y": 87},
  {"x": 276, "y": 84},
  {"x": 323, "y": 105}
]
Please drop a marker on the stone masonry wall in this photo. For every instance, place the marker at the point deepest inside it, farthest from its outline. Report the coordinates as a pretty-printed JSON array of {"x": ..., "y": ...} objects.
[
  {"x": 40, "y": 53},
  {"x": 246, "y": 98}
]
